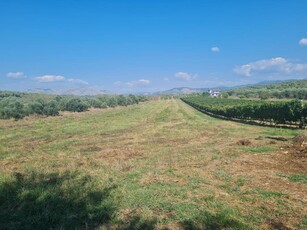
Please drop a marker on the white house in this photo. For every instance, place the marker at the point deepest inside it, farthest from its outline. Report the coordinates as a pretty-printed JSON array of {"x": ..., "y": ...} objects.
[{"x": 214, "y": 93}]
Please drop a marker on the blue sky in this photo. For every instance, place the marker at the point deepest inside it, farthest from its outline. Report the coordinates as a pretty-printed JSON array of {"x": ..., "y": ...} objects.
[{"x": 146, "y": 46}]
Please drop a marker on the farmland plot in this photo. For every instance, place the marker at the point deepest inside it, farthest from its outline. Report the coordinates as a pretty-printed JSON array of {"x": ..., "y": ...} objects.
[{"x": 157, "y": 165}]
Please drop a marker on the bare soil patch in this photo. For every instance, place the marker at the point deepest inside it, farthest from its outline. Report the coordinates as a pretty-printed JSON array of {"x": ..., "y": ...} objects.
[{"x": 244, "y": 142}]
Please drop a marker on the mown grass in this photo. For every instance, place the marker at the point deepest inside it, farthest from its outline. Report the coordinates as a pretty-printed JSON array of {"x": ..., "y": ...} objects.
[
  {"x": 280, "y": 132},
  {"x": 256, "y": 150},
  {"x": 157, "y": 165},
  {"x": 300, "y": 178},
  {"x": 303, "y": 224}
]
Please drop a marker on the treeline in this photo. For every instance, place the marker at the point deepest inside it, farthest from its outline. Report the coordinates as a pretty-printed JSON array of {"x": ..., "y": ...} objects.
[
  {"x": 18, "y": 105},
  {"x": 279, "y": 112},
  {"x": 295, "y": 89},
  {"x": 169, "y": 96}
]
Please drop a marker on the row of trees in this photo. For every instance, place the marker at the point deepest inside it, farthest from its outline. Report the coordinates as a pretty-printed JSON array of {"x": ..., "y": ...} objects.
[
  {"x": 279, "y": 112},
  {"x": 18, "y": 105}
]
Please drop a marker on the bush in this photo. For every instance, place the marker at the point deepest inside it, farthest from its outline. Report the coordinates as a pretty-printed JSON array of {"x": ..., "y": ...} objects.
[
  {"x": 41, "y": 107},
  {"x": 36, "y": 107},
  {"x": 12, "y": 107},
  {"x": 112, "y": 102},
  {"x": 51, "y": 108},
  {"x": 76, "y": 105}
]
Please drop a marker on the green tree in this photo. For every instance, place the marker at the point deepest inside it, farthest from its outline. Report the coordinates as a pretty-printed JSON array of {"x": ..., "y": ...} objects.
[{"x": 76, "y": 105}]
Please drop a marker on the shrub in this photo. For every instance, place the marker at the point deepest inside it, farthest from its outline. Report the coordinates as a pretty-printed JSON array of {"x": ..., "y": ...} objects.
[
  {"x": 12, "y": 107},
  {"x": 76, "y": 105}
]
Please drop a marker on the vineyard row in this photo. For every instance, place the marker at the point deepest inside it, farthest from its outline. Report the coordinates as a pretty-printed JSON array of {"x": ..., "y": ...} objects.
[{"x": 277, "y": 112}]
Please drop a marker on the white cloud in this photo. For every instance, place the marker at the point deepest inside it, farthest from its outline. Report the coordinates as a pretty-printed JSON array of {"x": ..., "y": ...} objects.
[
  {"x": 117, "y": 83},
  {"x": 59, "y": 78},
  {"x": 138, "y": 82},
  {"x": 143, "y": 81},
  {"x": 215, "y": 49},
  {"x": 15, "y": 75},
  {"x": 77, "y": 81},
  {"x": 133, "y": 83},
  {"x": 278, "y": 65},
  {"x": 129, "y": 84},
  {"x": 185, "y": 76},
  {"x": 303, "y": 42},
  {"x": 50, "y": 78}
]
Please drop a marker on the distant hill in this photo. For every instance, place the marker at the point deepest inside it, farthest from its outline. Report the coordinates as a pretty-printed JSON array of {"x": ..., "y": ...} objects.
[
  {"x": 75, "y": 92},
  {"x": 277, "y": 89},
  {"x": 250, "y": 90},
  {"x": 183, "y": 90},
  {"x": 259, "y": 84},
  {"x": 272, "y": 82}
]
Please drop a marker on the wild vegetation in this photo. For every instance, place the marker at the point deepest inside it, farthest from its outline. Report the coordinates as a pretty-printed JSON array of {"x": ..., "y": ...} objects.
[
  {"x": 278, "y": 112},
  {"x": 156, "y": 165},
  {"x": 18, "y": 105},
  {"x": 282, "y": 90}
]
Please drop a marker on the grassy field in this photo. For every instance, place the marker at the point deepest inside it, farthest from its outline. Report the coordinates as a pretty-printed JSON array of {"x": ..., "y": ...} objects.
[{"x": 157, "y": 165}]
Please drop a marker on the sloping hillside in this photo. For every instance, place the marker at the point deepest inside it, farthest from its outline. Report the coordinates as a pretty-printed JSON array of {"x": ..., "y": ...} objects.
[{"x": 287, "y": 89}]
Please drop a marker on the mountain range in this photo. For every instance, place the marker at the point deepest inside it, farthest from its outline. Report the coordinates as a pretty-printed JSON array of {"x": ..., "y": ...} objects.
[
  {"x": 89, "y": 91},
  {"x": 85, "y": 91}
]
